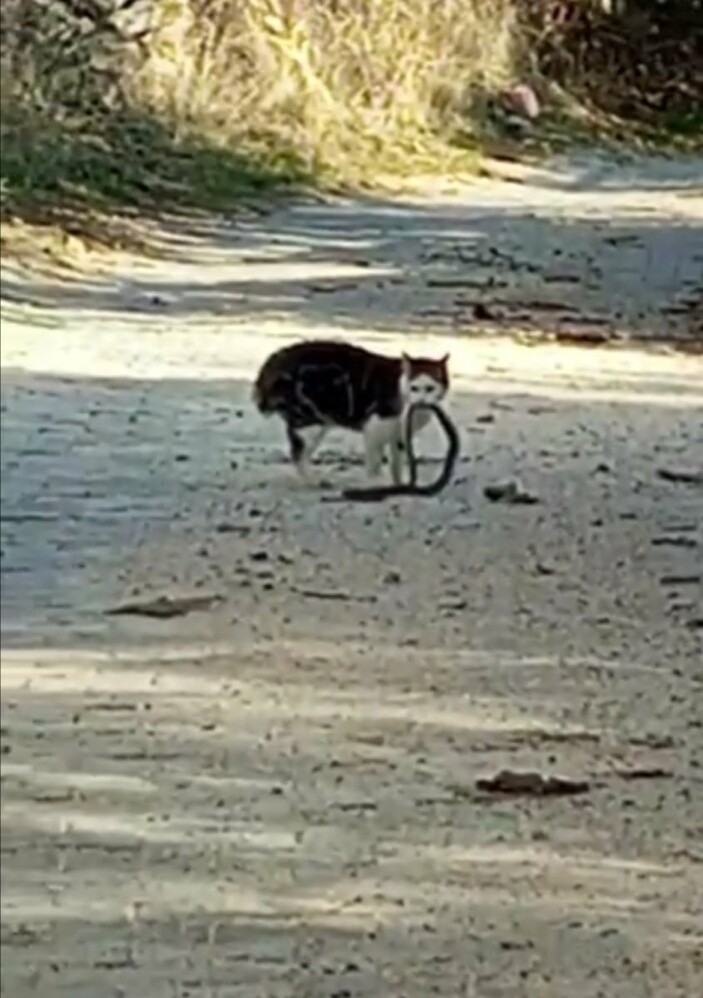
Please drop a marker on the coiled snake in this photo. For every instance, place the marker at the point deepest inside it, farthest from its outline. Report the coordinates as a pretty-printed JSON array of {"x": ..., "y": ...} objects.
[{"x": 412, "y": 488}]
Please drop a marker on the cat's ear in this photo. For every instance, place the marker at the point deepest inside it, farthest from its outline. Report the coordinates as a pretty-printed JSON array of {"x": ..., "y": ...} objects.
[
  {"x": 444, "y": 360},
  {"x": 406, "y": 363}
]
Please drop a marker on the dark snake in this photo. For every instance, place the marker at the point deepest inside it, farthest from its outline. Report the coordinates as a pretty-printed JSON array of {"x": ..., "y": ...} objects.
[{"x": 412, "y": 488}]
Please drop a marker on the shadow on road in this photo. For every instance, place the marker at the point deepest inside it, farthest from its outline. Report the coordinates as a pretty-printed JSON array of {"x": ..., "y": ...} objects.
[
  {"x": 583, "y": 262},
  {"x": 115, "y": 483}
]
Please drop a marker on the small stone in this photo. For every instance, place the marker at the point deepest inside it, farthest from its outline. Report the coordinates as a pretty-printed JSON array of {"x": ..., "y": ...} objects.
[
  {"x": 543, "y": 569},
  {"x": 510, "y": 492},
  {"x": 484, "y": 312},
  {"x": 230, "y": 528}
]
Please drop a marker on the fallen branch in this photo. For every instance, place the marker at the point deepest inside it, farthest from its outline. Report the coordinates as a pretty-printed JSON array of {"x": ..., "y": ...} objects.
[
  {"x": 643, "y": 773},
  {"x": 508, "y": 782},
  {"x": 334, "y": 594},
  {"x": 165, "y": 607}
]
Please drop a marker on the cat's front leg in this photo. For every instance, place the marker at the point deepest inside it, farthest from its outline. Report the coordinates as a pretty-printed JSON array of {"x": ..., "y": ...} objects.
[
  {"x": 373, "y": 461},
  {"x": 304, "y": 441},
  {"x": 379, "y": 434}
]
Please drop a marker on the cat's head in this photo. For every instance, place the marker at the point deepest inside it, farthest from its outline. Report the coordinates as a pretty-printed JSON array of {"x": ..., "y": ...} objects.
[{"x": 424, "y": 379}]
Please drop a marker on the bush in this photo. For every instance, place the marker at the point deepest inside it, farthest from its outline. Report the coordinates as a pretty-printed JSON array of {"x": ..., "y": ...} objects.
[
  {"x": 140, "y": 103},
  {"x": 209, "y": 97}
]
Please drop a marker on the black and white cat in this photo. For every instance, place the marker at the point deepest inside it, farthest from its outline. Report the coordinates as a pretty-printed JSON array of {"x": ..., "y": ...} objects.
[{"x": 315, "y": 385}]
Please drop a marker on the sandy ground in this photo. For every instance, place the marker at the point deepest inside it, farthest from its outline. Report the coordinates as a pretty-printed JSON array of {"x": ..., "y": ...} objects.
[{"x": 276, "y": 796}]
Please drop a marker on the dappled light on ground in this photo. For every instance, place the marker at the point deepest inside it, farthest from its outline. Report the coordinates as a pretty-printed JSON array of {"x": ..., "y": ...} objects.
[
  {"x": 291, "y": 789},
  {"x": 169, "y": 795},
  {"x": 577, "y": 251},
  {"x": 166, "y": 820}
]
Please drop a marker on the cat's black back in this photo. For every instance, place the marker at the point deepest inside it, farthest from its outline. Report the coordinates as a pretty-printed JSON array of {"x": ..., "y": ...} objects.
[{"x": 328, "y": 382}]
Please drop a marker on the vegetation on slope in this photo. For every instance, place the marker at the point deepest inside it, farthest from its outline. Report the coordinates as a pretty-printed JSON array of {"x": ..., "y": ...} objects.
[{"x": 134, "y": 105}]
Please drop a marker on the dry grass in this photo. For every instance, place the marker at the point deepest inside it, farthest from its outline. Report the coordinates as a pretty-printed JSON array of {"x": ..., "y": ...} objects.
[
  {"x": 226, "y": 97},
  {"x": 220, "y": 100},
  {"x": 350, "y": 86}
]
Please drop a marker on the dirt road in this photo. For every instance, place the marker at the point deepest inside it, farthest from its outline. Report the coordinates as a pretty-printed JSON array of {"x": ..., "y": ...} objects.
[{"x": 276, "y": 795}]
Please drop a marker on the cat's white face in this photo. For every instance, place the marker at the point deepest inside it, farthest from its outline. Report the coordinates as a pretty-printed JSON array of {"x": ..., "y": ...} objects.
[
  {"x": 422, "y": 388},
  {"x": 423, "y": 379}
]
